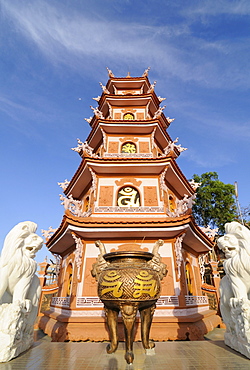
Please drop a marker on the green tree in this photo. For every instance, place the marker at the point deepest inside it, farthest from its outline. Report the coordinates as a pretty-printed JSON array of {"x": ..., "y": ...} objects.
[{"x": 215, "y": 202}]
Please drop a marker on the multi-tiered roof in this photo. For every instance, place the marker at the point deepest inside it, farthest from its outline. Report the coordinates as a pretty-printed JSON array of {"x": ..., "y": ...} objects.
[{"x": 130, "y": 112}]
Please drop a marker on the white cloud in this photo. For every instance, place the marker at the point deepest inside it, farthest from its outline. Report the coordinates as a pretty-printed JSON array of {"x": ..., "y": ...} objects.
[{"x": 81, "y": 41}]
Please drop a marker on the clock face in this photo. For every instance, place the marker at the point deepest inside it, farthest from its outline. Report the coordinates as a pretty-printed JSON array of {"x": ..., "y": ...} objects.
[
  {"x": 128, "y": 116},
  {"x": 129, "y": 148}
]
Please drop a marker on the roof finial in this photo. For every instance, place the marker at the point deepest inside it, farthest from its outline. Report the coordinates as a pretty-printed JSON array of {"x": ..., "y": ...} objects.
[
  {"x": 145, "y": 73},
  {"x": 128, "y": 76},
  {"x": 110, "y": 73}
]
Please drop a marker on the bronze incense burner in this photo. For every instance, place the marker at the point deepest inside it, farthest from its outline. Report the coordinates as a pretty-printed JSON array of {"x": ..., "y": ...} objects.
[{"x": 128, "y": 282}]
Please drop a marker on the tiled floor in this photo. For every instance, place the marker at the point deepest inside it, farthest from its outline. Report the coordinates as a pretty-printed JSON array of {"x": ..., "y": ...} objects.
[{"x": 210, "y": 354}]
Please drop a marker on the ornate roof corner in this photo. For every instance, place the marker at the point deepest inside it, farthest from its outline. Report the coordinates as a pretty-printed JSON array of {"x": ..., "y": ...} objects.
[
  {"x": 170, "y": 119},
  {"x": 97, "y": 112},
  {"x": 48, "y": 233},
  {"x": 161, "y": 99},
  {"x": 183, "y": 206},
  {"x": 104, "y": 89},
  {"x": 97, "y": 98},
  {"x": 151, "y": 88},
  {"x": 172, "y": 145},
  {"x": 110, "y": 73},
  {"x": 195, "y": 185},
  {"x": 85, "y": 149},
  {"x": 159, "y": 112},
  {"x": 145, "y": 73},
  {"x": 64, "y": 184}
]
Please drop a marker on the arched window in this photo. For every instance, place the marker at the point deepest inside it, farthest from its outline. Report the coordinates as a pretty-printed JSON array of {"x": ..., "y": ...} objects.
[
  {"x": 128, "y": 197},
  {"x": 189, "y": 279},
  {"x": 86, "y": 204},
  {"x": 69, "y": 273},
  {"x": 128, "y": 116},
  {"x": 128, "y": 147},
  {"x": 171, "y": 203}
]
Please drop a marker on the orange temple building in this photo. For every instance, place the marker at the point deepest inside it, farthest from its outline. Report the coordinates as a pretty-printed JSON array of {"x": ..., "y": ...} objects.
[{"x": 129, "y": 192}]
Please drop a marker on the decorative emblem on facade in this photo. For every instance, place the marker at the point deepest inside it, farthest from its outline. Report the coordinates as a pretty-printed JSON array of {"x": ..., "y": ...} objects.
[
  {"x": 64, "y": 184},
  {"x": 78, "y": 253},
  {"x": 178, "y": 253},
  {"x": 128, "y": 197},
  {"x": 128, "y": 148}
]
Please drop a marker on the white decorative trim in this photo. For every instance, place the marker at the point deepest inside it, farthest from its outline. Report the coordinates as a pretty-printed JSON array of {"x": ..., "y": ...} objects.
[
  {"x": 178, "y": 253},
  {"x": 48, "y": 233},
  {"x": 85, "y": 148},
  {"x": 78, "y": 253},
  {"x": 201, "y": 261},
  {"x": 64, "y": 184},
  {"x": 128, "y": 155},
  {"x": 96, "y": 302},
  {"x": 172, "y": 145},
  {"x": 182, "y": 206},
  {"x": 60, "y": 301},
  {"x": 111, "y": 209},
  {"x": 88, "y": 302},
  {"x": 94, "y": 182},
  {"x": 196, "y": 300},
  {"x": 74, "y": 206},
  {"x": 163, "y": 185},
  {"x": 168, "y": 301},
  {"x": 104, "y": 139}
]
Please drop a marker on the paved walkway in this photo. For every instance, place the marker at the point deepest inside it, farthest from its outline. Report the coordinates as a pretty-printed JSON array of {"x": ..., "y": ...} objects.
[{"x": 210, "y": 354}]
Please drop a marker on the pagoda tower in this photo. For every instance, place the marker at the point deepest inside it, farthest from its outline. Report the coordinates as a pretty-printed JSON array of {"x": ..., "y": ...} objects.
[{"x": 129, "y": 192}]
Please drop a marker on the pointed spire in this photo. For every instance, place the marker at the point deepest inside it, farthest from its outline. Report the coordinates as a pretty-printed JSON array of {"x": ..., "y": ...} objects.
[{"x": 128, "y": 75}]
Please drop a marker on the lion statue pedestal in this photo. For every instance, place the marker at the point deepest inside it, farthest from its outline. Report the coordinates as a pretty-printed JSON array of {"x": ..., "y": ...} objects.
[
  {"x": 235, "y": 287},
  {"x": 19, "y": 290}
]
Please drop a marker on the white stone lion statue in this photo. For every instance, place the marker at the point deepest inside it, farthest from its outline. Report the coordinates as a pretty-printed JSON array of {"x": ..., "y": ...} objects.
[
  {"x": 19, "y": 287},
  {"x": 235, "y": 286}
]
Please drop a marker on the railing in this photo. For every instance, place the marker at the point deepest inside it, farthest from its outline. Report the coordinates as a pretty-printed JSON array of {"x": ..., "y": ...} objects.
[
  {"x": 88, "y": 302},
  {"x": 128, "y": 155},
  {"x": 196, "y": 300},
  {"x": 162, "y": 301},
  {"x": 60, "y": 301},
  {"x": 111, "y": 209},
  {"x": 168, "y": 301}
]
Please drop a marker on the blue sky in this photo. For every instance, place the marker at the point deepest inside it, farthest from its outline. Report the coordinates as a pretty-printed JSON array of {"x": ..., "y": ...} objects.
[{"x": 55, "y": 53}]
